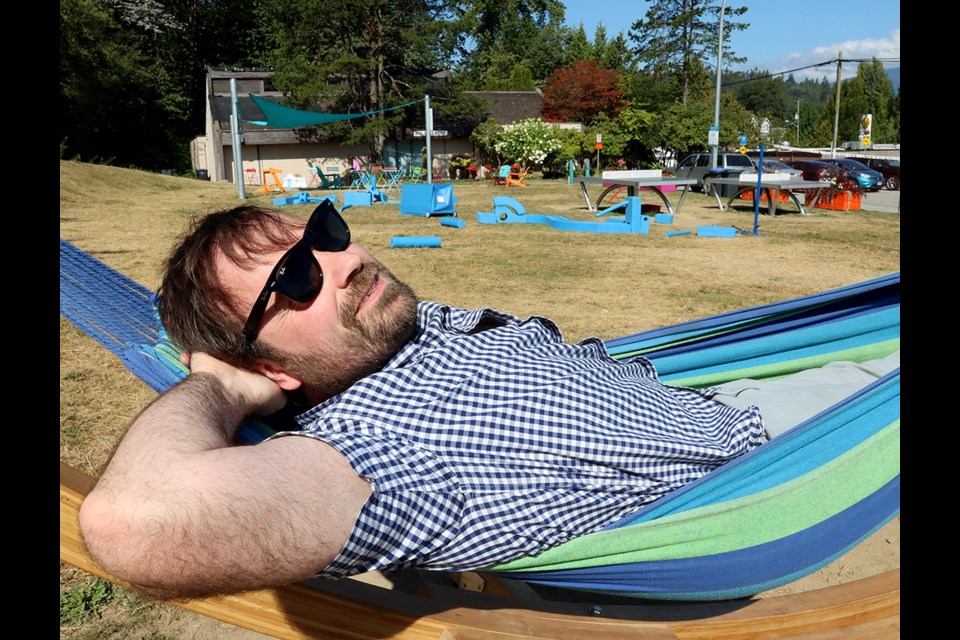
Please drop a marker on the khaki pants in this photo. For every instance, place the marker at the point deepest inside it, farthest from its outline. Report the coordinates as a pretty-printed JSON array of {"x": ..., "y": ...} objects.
[{"x": 786, "y": 402}]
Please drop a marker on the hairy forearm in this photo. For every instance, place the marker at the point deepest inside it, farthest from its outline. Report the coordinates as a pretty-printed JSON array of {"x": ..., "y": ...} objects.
[
  {"x": 196, "y": 415},
  {"x": 180, "y": 512}
]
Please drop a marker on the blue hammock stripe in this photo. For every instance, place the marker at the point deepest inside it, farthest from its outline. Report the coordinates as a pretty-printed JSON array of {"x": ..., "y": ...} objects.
[
  {"x": 738, "y": 573},
  {"x": 769, "y": 517}
]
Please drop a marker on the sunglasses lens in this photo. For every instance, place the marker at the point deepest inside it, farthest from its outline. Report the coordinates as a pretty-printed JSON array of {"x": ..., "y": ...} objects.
[
  {"x": 298, "y": 275},
  {"x": 326, "y": 230}
]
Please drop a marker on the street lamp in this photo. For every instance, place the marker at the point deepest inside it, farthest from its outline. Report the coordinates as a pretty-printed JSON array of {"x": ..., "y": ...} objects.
[{"x": 716, "y": 109}]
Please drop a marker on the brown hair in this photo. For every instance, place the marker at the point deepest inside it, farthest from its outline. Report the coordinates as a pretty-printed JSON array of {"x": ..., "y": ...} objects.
[{"x": 195, "y": 309}]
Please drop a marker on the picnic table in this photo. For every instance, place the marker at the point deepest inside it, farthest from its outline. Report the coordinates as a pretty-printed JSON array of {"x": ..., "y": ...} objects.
[
  {"x": 634, "y": 184},
  {"x": 772, "y": 187}
]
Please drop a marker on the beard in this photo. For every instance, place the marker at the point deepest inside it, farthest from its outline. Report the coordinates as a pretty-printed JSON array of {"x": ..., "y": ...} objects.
[{"x": 366, "y": 344}]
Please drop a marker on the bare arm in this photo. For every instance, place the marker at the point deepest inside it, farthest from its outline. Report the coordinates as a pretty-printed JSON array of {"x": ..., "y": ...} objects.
[{"x": 180, "y": 512}]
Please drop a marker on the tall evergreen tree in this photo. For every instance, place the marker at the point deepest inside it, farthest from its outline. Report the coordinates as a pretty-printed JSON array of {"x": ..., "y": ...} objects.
[
  {"x": 870, "y": 92},
  {"x": 599, "y": 42},
  {"x": 680, "y": 38},
  {"x": 579, "y": 47},
  {"x": 505, "y": 33},
  {"x": 617, "y": 55},
  {"x": 361, "y": 56}
]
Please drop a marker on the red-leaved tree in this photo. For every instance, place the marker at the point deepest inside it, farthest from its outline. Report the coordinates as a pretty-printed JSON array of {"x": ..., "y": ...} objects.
[{"x": 580, "y": 91}]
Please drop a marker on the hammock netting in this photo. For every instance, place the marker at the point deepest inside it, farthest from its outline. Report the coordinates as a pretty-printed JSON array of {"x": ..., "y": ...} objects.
[
  {"x": 289, "y": 118},
  {"x": 766, "y": 519}
]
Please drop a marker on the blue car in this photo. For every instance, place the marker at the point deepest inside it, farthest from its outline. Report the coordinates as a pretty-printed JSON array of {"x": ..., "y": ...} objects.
[{"x": 869, "y": 179}]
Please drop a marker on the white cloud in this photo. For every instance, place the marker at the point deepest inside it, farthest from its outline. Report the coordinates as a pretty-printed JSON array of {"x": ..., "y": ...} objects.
[{"x": 885, "y": 48}]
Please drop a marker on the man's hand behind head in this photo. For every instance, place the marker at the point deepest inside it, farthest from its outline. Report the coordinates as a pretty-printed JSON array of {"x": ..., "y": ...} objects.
[{"x": 255, "y": 391}]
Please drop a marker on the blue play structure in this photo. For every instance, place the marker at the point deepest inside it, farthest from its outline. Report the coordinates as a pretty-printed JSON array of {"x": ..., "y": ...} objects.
[
  {"x": 365, "y": 198},
  {"x": 427, "y": 200},
  {"x": 452, "y": 222},
  {"x": 397, "y": 242},
  {"x": 302, "y": 198},
  {"x": 506, "y": 210}
]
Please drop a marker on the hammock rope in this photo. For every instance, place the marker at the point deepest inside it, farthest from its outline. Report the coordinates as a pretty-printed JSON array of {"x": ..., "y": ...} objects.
[{"x": 769, "y": 517}]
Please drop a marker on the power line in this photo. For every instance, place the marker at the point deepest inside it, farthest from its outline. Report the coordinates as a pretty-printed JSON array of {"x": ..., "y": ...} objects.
[{"x": 809, "y": 66}]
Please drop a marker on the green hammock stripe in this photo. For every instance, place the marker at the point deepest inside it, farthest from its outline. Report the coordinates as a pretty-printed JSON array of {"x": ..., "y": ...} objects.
[
  {"x": 288, "y": 118},
  {"x": 776, "y": 370},
  {"x": 773, "y": 514}
]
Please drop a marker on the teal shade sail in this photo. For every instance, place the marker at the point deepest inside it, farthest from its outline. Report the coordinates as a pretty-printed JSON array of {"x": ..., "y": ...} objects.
[{"x": 282, "y": 117}]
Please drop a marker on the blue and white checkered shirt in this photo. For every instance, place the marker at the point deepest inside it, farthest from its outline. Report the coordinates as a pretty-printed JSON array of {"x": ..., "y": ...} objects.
[{"x": 482, "y": 448}]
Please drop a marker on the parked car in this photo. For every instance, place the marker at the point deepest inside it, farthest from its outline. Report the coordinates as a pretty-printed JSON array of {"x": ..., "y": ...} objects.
[
  {"x": 866, "y": 177},
  {"x": 775, "y": 166},
  {"x": 820, "y": 171},
  {"x": 889, "y": 167},
  {"x": 698, "y": 165}
]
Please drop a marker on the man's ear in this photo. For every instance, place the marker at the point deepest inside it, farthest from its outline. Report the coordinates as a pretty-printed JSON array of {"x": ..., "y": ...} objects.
[{"x": 279, "y": 375}]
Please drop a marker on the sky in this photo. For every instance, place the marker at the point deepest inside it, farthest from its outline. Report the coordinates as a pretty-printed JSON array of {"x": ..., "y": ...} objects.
[{"x": 782, "y": 36}]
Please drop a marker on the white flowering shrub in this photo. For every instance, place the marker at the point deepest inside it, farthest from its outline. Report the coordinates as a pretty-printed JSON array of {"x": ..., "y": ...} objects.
[{"x": 529, "y": 142}]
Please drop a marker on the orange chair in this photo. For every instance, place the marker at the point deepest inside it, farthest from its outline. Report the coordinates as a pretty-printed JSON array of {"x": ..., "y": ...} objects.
[
  {"x": 515, "y": 178},
  {"x": 277, "y": 183}
]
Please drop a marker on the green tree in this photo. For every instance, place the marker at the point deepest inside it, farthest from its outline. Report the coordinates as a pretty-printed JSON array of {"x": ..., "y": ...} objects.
[
  {"x": 635, "y": 123},
  {"x": 682, "y": 129},
  {"x": 361, "y": 56},
  {"x": 485, "y": 138},
  {"x": 579, "y": 47},
  {"x": 869, "y": 92},
  {"x": 521, "y": 79},
  {"x": 599, "y": 42},
  {"x": 574, "y": 145},
  {"x": 679, "y": 38},
  {"x": 617, "y": 55},
  {"x": 614, "y": 141},
  {"x": 759, "y": 92},
  {"x": 124, "y": 90},
  {"x": 506, "y": 33}
]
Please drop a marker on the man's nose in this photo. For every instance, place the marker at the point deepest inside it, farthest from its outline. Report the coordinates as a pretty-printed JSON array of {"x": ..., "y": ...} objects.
[{"x": 339, "y": 267}]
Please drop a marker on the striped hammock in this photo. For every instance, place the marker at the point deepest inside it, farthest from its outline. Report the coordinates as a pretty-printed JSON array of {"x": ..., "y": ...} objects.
[{"x": 770, "y": 517}]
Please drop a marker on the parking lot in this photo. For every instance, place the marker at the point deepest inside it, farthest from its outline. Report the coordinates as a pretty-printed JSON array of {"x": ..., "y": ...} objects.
[{"x": 883, "y": 200}]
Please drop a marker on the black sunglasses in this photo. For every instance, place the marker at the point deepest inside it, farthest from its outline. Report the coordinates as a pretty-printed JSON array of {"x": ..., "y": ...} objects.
[{"x": 298, "y": 275}]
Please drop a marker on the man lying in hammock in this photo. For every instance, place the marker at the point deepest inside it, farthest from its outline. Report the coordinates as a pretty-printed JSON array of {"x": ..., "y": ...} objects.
[{"x": 429, "y": 435}]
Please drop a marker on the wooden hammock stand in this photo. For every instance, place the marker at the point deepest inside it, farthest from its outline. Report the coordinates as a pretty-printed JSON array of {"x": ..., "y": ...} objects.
[{"x": 867, "y": 609}]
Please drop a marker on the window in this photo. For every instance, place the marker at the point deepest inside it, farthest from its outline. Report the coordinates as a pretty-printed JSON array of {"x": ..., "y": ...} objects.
[{"x": 736, "y": 160}]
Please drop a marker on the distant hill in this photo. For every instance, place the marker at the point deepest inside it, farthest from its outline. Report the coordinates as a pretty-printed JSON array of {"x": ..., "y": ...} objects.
[{"x": 894, "y": 75}]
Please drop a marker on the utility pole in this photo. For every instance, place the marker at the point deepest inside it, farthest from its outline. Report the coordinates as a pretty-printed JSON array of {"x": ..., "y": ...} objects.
[
  {"x": 428, "y": 118},
  {"x": 796, "y": 117},
  {"x": 237, "y": 140},
  {"x": 716, "y": 109},
  {"x": 836, "y": 113}
]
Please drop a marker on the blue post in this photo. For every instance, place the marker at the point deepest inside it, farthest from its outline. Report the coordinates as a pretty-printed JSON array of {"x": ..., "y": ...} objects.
[
  {"x": 756, "y": 194},
  {"x": 587, "y": 167},
  {"x": 569, "y": 171}
]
